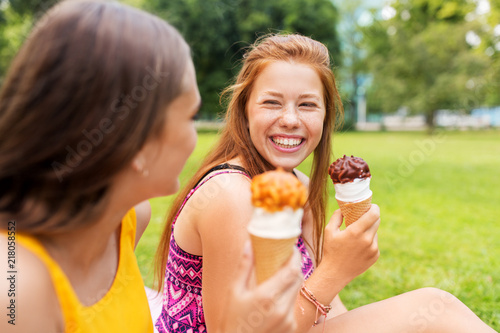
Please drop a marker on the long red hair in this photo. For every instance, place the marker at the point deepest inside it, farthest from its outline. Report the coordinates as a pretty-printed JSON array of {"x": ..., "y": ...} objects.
[{"x": 235, "y": 138}]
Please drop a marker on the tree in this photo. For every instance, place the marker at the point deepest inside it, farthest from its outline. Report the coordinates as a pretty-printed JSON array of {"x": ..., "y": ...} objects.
[
  {"x": 353, "y": 70},
  {"x": 219, "y": 30},
  {"x": 16, "y": 20},
  {"x": 30, "y": 7},
  {"x": 421, "y": 57},
  {"x": 491, "y": 46}
]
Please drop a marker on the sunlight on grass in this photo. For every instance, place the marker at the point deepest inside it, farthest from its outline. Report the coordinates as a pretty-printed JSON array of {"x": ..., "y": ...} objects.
[{"x": 439, "y": 205}]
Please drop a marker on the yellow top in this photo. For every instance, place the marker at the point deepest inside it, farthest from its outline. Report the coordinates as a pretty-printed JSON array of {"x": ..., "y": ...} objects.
[{"x": 124, "y": 308}]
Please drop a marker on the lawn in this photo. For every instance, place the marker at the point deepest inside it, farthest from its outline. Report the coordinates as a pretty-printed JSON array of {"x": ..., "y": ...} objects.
[{"x": 440, "y": 208}]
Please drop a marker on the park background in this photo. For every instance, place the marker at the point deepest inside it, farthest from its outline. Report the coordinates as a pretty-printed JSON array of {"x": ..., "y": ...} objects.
[{"x": 420, "y": 83}]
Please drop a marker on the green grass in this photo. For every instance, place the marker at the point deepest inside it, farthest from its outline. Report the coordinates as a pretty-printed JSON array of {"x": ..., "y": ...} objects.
[{"x": 439, "y": 202}]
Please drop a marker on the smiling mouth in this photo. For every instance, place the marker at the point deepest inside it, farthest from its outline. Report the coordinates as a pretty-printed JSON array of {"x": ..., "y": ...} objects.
[{"x": 287, "y": 143}]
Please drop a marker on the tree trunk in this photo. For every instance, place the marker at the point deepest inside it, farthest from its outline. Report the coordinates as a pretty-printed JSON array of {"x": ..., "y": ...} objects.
[
  {"x": 429, "y": 120},
  {"x": 354, "y": 99}
]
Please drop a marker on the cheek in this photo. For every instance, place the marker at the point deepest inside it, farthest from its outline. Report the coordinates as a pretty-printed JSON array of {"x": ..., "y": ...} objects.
[
  {"x": 320, "y": 135},
  {"x": 255, "y": 124},
  {"x": 314, "y": 124},
  {"x": 251, "y": 117},
  {"x": 194, "y": 139},
  {"x": 262, "y": 120}
]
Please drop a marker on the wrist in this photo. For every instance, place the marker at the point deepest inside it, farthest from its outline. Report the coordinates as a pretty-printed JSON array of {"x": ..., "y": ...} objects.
[
  {"x": 332, "y": 276},
  {"x": 321, "y": 309}
]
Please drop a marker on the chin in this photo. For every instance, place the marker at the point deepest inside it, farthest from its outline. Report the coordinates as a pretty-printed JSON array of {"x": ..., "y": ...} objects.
[
  {"x": 168, "y": 189},
  {"x": 173, "y": 188},
  {"x": 288, "y": 166}
]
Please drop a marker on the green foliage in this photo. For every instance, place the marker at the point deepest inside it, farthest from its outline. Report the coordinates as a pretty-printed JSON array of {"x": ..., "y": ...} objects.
[
  {"x": 219, "y": 30},
  {"x": 492, "y": 45},
  {"x": 439, "y": 215},
  {"x": 30, "y": 7},
  {"x": 14, "y": 29},
  {"x": 420, "y": 58},
  {"x": 16, "y": 20}
]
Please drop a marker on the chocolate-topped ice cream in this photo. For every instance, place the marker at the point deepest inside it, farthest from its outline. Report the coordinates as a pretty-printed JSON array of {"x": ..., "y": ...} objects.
[
  {"x": 346, "y": 169},
  {"x": 351, "y": 180}
]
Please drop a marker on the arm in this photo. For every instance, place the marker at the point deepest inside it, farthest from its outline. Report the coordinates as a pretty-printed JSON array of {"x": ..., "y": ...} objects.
[
  {"x": 347, "y": 254},
  {"x": 143, "y": 216},
  {"x": 338, "y": 307},
  {"x": 36, "y": 303},
  {"x": 222, "y": 229},
  {"x": 330, "y": 277}
]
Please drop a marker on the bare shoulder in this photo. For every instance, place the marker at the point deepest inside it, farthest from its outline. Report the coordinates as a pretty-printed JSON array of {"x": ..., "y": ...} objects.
[
  {"x": 304, "y": 179},
  {"x": 215, "y": 210},
  {"x": 223, "y": 198},
  {"x": 30, "y": 293}
]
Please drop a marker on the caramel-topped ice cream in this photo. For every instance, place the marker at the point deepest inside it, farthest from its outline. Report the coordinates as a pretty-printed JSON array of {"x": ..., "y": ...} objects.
[
  {"x": 278, "y": 198},
  {"x": 275, "y": 190}
]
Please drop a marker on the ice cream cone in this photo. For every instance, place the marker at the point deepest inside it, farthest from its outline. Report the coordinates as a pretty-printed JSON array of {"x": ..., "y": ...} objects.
[
  {"x": 278, "y": 198},
  {"x": 351, "y": 178},
  {"x": 352, "y": 211},
  {"x": 270, "y": 255}
]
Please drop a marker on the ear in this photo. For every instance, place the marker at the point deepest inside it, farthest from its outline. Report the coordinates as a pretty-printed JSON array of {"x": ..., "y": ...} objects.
[{"x": 139, "y": 162}]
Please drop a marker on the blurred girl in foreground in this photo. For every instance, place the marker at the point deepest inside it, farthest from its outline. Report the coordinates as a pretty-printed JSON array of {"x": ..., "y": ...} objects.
[
  {"x": 282, "y": 109},
  {"x": 96, "y": 116}
]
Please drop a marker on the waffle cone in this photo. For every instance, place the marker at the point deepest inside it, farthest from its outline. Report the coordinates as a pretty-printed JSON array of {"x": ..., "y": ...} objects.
[
  {"x": 270, "y": 255},
  {"x": 352, "y": 211}
]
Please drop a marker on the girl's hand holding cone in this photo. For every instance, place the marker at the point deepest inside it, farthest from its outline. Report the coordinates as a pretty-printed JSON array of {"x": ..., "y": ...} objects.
[
  {"x": 272, "y": 301},
  {"x": 352, "y": 251}
]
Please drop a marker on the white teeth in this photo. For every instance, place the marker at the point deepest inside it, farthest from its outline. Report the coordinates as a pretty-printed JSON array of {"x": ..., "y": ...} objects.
[{"x": 286, "y": 142}]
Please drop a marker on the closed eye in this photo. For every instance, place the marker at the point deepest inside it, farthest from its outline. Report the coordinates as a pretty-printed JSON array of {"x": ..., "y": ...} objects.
[
  {"x": 196, "y": 116},
  {"x": 272, "y": 102},
  {"x": 308, "y": 105}
]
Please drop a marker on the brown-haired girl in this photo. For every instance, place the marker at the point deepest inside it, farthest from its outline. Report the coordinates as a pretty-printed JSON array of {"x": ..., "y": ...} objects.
[
  {"x": 96, "y": 116},
  {"x": 283, "y": 107}
]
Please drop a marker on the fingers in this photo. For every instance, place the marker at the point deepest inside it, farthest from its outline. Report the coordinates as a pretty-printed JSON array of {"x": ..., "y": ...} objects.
[
  {"x": 273, "y": 300},
  {"x": 284, "y": 323},
  {"x": 368, "y": 222},
  {"x": 289, "y": 277},
  {"x": 365, "y": 231},
  {"x": 336, "y": 220},
  {"x": 375, "y": 246},
  {"x": 278, "y": 296}
]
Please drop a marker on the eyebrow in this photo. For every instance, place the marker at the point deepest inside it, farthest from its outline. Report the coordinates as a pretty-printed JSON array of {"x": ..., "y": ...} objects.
[
  {"x": 310, "y": 96},
  {"x": 277, "y": 94},
  {"x": 273, "y": 93}
]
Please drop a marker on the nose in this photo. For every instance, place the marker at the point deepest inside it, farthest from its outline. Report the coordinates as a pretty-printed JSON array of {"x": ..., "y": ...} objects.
[{"x": 289, "y": 117}]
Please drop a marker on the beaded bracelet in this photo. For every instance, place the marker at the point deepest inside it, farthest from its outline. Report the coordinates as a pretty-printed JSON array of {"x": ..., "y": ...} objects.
[{"x": 323, "y": 309}]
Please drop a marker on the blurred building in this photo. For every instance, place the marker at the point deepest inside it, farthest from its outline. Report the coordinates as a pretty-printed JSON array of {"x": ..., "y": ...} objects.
[
  {"x": 481, "y": 118},
  {"x": 478, "y": 118}
]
